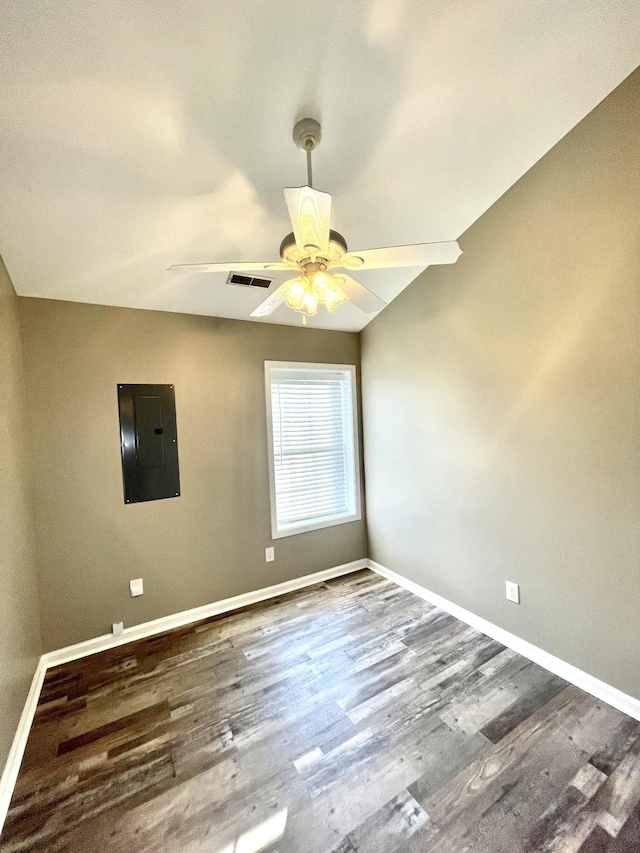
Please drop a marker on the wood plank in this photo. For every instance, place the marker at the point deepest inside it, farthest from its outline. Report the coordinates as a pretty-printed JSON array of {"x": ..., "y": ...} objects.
[{"x": 391, "y": 826}]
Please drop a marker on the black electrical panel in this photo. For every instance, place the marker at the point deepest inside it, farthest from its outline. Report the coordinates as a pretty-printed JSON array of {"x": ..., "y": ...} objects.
[{"x": 149, "y": 442}]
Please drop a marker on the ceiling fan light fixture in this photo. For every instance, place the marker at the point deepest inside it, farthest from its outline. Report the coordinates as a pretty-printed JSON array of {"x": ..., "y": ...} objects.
[
  {"x": 307, "y": 291},
  {"x": 337, "y": 298},
  {"x": 309, "y": 304},
  {"x": 328, "y": 291},
  {"x": 293, "y": 292}
]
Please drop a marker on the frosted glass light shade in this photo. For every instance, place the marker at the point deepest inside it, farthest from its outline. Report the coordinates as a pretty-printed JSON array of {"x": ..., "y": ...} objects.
[{"x": 306, "y": 292}]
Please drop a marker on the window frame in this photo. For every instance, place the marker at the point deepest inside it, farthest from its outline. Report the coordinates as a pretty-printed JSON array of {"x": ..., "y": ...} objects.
[{"x": 333, "y": 522}]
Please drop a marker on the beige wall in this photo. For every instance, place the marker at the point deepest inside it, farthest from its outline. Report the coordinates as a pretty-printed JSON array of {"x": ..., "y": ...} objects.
[
  {"x": 19, "y": 621},
  {"x": 501, "y": 407},
  {"x": 207, "y": 544}
]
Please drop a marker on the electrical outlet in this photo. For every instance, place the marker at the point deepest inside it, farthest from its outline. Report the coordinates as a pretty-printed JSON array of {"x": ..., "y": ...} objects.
[
  {"x": 136, "y": 587},
  {"x": 117, "y": 628},
  {"x": 269, "y": 555},
  {"x": 513, "y": 592}
]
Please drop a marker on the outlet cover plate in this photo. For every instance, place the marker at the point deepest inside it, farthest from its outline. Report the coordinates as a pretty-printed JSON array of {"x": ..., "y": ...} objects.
[
  {"x": 513, "y": 592},
  {"x": 269, "y": 555},
  {"x": 136, "y": 587}
]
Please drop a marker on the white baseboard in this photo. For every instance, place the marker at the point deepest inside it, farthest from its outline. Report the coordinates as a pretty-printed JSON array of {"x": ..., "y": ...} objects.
[
  {"x": 186, "y": 617},
  {"x": 589, "y": 683},
  {"x": 138, "y": 632},
  {"x": 12, "y": 767}
]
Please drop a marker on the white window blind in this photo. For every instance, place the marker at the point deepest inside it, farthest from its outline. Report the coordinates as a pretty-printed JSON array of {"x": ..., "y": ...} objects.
[{"x": 313, "y": 464}]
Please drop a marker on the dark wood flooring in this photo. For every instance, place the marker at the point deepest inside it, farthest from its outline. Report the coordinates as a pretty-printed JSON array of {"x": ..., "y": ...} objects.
[{"x": 347, "y": 717}]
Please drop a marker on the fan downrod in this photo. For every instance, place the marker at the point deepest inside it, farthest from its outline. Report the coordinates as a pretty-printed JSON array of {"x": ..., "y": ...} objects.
[{"x": 307, "y": 135}]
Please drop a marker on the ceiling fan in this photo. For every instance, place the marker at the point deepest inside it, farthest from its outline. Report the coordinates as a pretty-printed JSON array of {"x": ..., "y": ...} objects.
[{"x": 315, "y": 252}]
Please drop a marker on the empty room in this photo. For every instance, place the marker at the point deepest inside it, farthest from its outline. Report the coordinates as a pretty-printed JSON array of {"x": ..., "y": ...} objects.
[{"x": 320, "y": 426}]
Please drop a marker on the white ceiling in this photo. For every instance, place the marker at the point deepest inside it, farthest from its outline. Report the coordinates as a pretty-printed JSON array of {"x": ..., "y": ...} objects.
[{"x": 135, "y": 135}]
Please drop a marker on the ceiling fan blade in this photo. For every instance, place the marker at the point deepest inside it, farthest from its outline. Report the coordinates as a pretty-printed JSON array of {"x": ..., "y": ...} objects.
[
  {"x": 310, "y": 213},
  {"x": 361, "y": 296},
  {"x": 239, "y": 266},
  {"x": 270, "y": 303},
  {"x": 416, "y": 255}
]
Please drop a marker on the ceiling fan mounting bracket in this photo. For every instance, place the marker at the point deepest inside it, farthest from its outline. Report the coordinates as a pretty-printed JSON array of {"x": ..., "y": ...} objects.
[{"x": 307, "y": 134}]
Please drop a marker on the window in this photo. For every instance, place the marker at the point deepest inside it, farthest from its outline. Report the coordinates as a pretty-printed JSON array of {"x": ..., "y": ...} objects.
[{"x": 313, "y": 448}]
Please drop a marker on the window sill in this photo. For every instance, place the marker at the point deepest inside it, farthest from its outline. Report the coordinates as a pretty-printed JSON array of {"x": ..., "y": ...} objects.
[{"x": 318, "y": 525}]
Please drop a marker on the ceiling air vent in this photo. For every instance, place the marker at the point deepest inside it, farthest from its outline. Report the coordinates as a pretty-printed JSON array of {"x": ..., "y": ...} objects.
[{"x": 247, "y": 280}]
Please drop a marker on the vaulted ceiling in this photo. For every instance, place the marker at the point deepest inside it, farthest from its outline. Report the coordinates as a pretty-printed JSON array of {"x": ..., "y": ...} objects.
[{"x": 137, "y": 135}]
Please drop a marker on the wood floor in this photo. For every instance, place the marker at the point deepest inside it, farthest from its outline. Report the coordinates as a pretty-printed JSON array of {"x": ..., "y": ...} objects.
[{"x": 348, "y": 717}]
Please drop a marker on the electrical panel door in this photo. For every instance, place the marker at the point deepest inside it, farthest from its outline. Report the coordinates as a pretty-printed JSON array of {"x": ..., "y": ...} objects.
[{"x": 149, "y": 442}]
